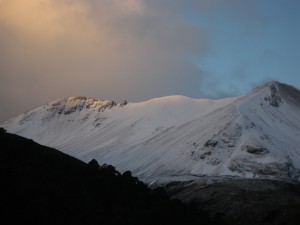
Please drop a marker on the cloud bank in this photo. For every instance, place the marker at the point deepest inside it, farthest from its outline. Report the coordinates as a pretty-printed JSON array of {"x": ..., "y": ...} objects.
[
  {"x": 130, "y": 49},
  {"x": 104, "y": 49}
]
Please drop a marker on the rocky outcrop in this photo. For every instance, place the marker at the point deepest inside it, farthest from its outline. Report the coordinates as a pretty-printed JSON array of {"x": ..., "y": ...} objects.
[
  {"x": 274, "y": 98},
  {"x": 70, "y": 105}
]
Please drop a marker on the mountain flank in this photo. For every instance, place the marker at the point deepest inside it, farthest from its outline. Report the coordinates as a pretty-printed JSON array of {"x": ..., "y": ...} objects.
[
  {"x": 40, "y": 185},
  {"x": 242, "y": 201},
  {"x": 255, "y": 135}
]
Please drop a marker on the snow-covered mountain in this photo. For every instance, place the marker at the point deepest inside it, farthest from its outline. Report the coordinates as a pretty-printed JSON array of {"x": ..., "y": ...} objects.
[{"x": 254, "y": 135}]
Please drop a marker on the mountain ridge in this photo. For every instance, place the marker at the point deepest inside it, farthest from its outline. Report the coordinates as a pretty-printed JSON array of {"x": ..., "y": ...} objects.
[
  {"x": 42, "y": 185},
  {"x": 254, "y": 135}
]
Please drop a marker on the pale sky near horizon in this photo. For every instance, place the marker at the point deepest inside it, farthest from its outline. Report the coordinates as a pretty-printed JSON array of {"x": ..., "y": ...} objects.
[{"x": 141, "y": 49}]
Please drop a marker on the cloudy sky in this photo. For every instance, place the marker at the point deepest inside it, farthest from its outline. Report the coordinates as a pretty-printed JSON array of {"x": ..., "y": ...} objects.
[{"x": 141, "y": 49}]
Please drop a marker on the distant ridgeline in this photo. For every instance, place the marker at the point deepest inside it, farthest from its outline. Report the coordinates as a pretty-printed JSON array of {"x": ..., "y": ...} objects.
[{"x": 41, "y": 185}]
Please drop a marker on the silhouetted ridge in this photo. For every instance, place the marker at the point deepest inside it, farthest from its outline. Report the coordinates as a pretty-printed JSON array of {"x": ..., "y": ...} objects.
[{"x": 40, "y": 185}]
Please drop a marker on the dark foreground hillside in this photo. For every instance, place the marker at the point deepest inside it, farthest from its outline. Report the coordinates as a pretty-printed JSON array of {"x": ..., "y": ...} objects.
[
  {"x": 243, "y": 201},
  {"x": 40, "y": 185}
]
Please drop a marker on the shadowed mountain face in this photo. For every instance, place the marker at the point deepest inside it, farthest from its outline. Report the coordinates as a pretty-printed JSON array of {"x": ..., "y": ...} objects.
[
  {"x": 40, "y": 185},
  {"x": 253, "y": 136},
  {"x": 290, "y": 94},
  {"x": 243, "y": 201}
]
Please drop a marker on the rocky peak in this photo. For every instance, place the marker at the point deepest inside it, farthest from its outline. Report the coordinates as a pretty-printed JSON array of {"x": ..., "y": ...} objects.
[
  {"x": 274, "y": 98},
  {"x": 69, "y": 105}
]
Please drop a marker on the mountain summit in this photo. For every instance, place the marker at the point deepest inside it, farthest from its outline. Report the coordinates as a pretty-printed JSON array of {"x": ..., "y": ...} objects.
[{"x": 254, "y": 135}]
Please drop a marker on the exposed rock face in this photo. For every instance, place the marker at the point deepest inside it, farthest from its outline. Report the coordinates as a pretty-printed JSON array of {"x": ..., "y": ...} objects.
[
  {"x": 274, "y": 99},
  {"x": 257, "y": 150},
  {"x": 262, "y": 170},
  {"x": 70, "y": 105}
]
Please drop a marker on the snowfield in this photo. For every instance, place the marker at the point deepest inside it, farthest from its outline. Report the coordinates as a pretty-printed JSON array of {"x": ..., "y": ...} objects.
[{"x": 254, "y": 135}]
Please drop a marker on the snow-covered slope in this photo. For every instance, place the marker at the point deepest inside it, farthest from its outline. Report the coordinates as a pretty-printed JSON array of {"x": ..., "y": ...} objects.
[{"x": 255, "y": 135}]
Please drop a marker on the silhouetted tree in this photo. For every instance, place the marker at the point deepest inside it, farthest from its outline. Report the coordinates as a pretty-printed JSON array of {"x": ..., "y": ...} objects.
[
  {"x": 94, "y": 164},
  {"x": 2, "y": 130}
]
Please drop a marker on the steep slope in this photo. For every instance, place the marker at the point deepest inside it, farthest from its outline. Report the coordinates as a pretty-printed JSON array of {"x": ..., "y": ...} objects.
[{"x": 255, "y": 135}]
